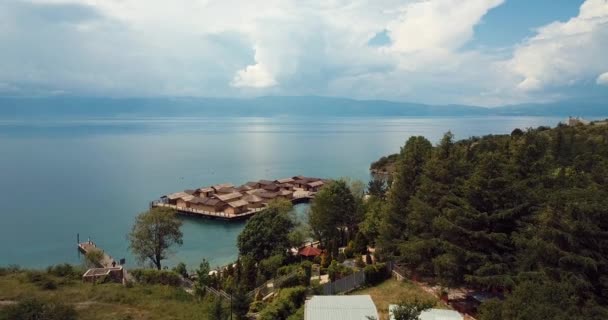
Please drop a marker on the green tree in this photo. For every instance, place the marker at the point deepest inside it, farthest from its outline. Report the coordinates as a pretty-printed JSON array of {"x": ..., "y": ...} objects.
[
  {"x": 203, "y": 279},
  {"x": 266, "y": 234},
  {"x": 240, "y": 304},
  {"x": 377, "y": 187},
  {"x": 154, "y": 233},
  {"x": 216, "y": 311},
  {"x": 410, "y": 310},
  {"x": 181, "y": 269},
  {"x": 333, "y": 212},
  {"x": 409, "y": 166}
]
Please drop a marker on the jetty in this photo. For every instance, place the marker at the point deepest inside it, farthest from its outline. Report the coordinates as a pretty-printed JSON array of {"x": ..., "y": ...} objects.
[
  {"x": 108, "y": 268},
  {"x": 229, "y": 202}
]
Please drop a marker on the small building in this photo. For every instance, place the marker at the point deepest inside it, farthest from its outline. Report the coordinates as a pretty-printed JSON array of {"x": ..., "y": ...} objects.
[
  {"x": 315, "y": 185},
  {"x": 254, "y": 202},
  {"x": 184, "y": 201},
  {"x": 205, "y": 192},
  {"x": 212, "y": 205},
  {"x": 432, "y": 314},
  {"x": 271, "y": 187},
  {"x": 263, "y": 183},
  {"x": 284, "y": 180},
  {"x": 340, "y": 308},
  {"x": 285, "y": 194},
  {"x": 309, "y": 252},
  {"x": 236, "y": 207},
  {"x": 233, "y": 196},
  {"x": 226, "y": 190},
  {"x": 300, "y": 184},
  {"x": 190, "y": 191},
  {"x": 244, "y": 188},
  {"x": 172, "y": 198},
  {"x": 223, "y": 185},
  {"x": 114, "y": 274},
  {"x": 266, "y": 195},
  {"x": 253, "y": 184}
]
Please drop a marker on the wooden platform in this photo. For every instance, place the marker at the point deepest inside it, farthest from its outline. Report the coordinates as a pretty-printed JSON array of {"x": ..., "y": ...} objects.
[
  {"x": 106, "y": 261},
  {"x": 304, "y": 198}
]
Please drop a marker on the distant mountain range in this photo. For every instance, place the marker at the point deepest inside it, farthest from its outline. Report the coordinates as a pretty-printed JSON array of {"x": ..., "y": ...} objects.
[{"x": 92, "y": 107}]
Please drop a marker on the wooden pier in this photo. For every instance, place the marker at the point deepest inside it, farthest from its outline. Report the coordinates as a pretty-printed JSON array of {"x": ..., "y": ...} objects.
[{"x": 106, "y": 261}]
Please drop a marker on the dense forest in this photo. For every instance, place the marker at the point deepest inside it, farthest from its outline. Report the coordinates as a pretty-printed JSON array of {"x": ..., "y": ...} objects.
[{"x": 525, "y": 214}]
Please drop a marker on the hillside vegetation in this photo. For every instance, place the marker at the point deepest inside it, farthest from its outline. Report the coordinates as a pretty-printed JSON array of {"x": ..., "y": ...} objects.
[
  {"x": 61, "y": 294},
  {"x": 525, "y": 214}
]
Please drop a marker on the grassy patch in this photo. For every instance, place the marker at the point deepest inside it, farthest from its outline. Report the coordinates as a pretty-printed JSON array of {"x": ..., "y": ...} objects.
[
  {"x": 104, "y": 301},
  {"x": 393, "y": 292}
]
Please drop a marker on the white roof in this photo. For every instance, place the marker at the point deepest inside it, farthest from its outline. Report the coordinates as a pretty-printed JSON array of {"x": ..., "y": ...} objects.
[
  {"x": 433, "y": 314},
  {"x": 340, "y": 308}
]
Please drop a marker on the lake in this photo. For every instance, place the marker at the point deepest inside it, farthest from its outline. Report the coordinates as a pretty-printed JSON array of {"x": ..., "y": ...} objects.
[{"x": 92, "y": 177}]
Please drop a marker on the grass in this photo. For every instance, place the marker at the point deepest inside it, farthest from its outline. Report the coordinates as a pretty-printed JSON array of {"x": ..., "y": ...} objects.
[
  {"x": 107, "y": 301},
  {"x": 394, "y": 292}
]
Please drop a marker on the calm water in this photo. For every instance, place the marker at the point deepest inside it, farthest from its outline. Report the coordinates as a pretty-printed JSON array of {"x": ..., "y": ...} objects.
[{"x": 93, "y": 176}]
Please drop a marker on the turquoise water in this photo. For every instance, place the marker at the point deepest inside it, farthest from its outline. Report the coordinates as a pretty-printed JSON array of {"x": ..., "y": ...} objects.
[{"x": 92, "y": 177}]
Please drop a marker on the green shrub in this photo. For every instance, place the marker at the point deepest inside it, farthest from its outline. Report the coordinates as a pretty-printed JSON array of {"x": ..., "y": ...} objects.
[
  {"x": 181, "y": 269},
  {"x": 376, "y": 273},
  {"x": 36, "y": 309},
  {"x": 65, "y": 270},
  {"x": 13, "y": 268},
  {"x": 257, "y": 306},
  {"x": 271, "y": 265},
  {"x": 285, "y": 270},
  {"x": 296, "y": 279},
  {"x": 151, "y": 276},
  {"x": 287, "y": 303}
]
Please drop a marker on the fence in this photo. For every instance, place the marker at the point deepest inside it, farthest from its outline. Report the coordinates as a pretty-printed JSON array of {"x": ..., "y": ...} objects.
[{"x": 345, "y": 284}]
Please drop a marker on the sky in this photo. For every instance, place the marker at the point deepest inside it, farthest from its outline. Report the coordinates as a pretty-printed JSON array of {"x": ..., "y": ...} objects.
[{"x": 476, "y": 52}]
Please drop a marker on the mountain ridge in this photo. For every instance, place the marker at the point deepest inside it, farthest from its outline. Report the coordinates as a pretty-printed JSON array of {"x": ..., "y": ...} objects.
[{"x": 268, "y": 106}]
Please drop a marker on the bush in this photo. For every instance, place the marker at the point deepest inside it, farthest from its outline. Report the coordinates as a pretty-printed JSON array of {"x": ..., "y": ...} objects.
[
  {"x": 181, "y": 269},
  {"x": 296, "y": 279},
  {"x": 41, "y": 279},
  {"x": 270, "y": 266},
  {"x": 286, "y": 304},
  {"x": 9, "y": 270},
  {"x": 65, "y": 270},
  {"x": 376, "y": 273},
  {"x": 151, "y": 276},
  {"x": 257, "y": 306},
  {"x": 36, "y": 309}
]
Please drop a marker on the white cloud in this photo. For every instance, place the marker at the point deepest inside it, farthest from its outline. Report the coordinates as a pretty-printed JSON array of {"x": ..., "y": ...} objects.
[
  {"x": 602, "y": 79},
  {"x": 565, "y": 53},
  {"x": 238, "y": 47},
  {"x": 254, "y": 76}
]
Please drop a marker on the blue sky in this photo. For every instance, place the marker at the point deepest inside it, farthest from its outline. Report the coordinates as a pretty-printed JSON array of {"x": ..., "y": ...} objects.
[{"x": 479, "y": 52}]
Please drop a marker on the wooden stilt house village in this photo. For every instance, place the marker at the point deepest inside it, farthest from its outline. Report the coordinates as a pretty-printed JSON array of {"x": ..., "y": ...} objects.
[{"x": 226, "y": 201}]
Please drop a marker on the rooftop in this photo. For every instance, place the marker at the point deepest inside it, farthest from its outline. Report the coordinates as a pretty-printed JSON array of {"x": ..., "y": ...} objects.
[
  {"x": 433, "y": 314},
  {"x": 229, "y": 196},
  {"x": 340, "y": 308}
]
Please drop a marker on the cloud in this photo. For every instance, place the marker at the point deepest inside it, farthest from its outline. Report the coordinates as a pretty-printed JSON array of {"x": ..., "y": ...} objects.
[
  {"x": 565, "y": 53},
  {"x": 255, "y": 76},
  {"x": 388, "y": 49},
  {"x": 602, "y": 79}
]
